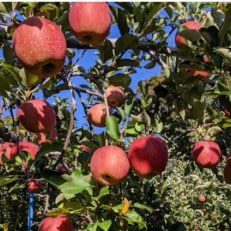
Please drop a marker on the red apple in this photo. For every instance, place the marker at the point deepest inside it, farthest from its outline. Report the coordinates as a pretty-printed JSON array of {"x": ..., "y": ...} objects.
[
  {"x": 85, "y": 148},
  {"x": 206, "y": 153},
  {"x": 59, "y": 223},
  {"x": 33, "y": 185},
  {"x": 40, "y": 46},
  {"x": 109, "y": 165},
  {"x": 226, "y": 112},
  {"x": 11, "y": 149},
  {"x": 227, "y": 170},
  {"x": 148, "y": 155},
  {"x": 97, "y": 114},
  {"x": 228, "y": 159},
  {"x": 227, "y": 173},
  {"x": 115, "y": 96},
  {"x": 202, "y": 198},
  {"x": 37, "y": 116},
  {"x": 6, "y": 149},
  {"x": 191, "y": 24},
  {"x": 28, "y": 147},
  {"x": 201, "y": 73},
  {"x": 90, "y": 22}
]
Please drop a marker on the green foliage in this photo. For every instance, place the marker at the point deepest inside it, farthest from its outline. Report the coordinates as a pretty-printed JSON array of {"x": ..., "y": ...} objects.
[{"x": 163, "y": 100}]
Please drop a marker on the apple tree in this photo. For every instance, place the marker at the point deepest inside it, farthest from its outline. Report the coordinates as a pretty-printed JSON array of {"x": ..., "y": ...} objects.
[{"x": 115, "y": 116}]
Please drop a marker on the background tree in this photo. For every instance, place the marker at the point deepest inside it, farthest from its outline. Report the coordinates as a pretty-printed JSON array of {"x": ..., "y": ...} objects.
[{"x": 185, "y": 101}]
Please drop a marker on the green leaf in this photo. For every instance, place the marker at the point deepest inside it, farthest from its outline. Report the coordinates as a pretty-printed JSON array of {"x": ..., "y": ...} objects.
[
  {"x": 139, "y": 127},
  {"x": 122, "y": 113},
  {"x": 112, "y": 127},
  {"x": 143, "y": 207},
  {"x": 126, "y": 42},
  {"x": 198, "y": 110},
  {"x": 127, "y": 62},
  {"x": 53, "y": 177},
  {"x": 135, "y": 218},
  {"x": 121, "y": 19},
  {"x": 76, "y": 183},
  {"x": 127, "y": 6},
  {"x": 7, "y": 180},
  {"x": 103, "y": 192},
  {"x": 106, "y": 51},
  {"x": 120, "y": 80},
  {"x": 51, "y": 9},
  {"x": 190, "y": 34},
  {"x": 9, "y": 76},
  {"x": 130, "y": 130},
  {"x": 5, "y": 7},
  {"x": 105, "y": 225}
]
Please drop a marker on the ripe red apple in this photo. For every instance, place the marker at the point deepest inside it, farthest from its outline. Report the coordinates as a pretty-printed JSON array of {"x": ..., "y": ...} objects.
[
  {"x": 227, "y": 170},
  {"x": 206, "y": 153},
  {"x": 97, "y": 114},
  {"x": 201, "y": 73},
  {"x": 37, "y": 116},
  {"x": 109, "y": 165},
  {"x": 148, "y": 155},
  {"x": 90, "y": 22},
  {"x": 9, "y": 150},
  {"x": 226, "y": 111},
  {"x": 34, "y": 185},
  {"x": 40, "y": 46},
  {"x": 85, "y": 148},
  {"x": 202, "y": 198},
  {"x": 59, "y": 223},
  {"x": 6, "y": 149},
  {"x": 27, "y": 147},
  {"x": 115, "y": 96},
  {"x": 192, "y": 73},
  {"x": 227, "y": 173},
  {"x": 191, "y": 24}
]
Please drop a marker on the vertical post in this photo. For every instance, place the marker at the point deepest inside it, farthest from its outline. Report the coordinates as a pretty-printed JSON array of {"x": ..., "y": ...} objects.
[{"x": 30, "y": 211}]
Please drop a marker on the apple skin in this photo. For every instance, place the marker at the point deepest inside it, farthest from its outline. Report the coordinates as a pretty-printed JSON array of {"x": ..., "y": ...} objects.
[
  {"x": 40, "y": 46},
  {"x": 202, "y": 73},
  {"x": 148, "y": 155},
  {"x": 191, "y": 24},
  {"x": 37, "y": 116},
  {"x": 11, "y": 149},
  {"x": 202, "y": 198},
  {"x": 192, "y": 73},
  {"x": 227, "y": 170},
  {"x": 33, "y": 185},
  {"x": 109, "y": 165},
  {"x": 115, "y": 96},
  {"x": 59, "y": 223},
  {"x": 226, "y": 112},
  {"x": 206, "y": 153},
  {"x": 90, "y": 22},
  {"x": 97, "y": 114}
]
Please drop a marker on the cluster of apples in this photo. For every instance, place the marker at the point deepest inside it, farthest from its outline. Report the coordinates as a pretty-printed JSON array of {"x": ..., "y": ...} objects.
[
  {"x": 115, "y": 97},
  {"x": 181, "y": 41},
  {"x": 40, "y": 45},
  {"x": 147, "y": 155}
]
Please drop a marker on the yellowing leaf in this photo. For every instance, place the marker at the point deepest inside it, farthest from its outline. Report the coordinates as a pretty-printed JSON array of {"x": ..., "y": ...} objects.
[{"x": 125, "y": 207}]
